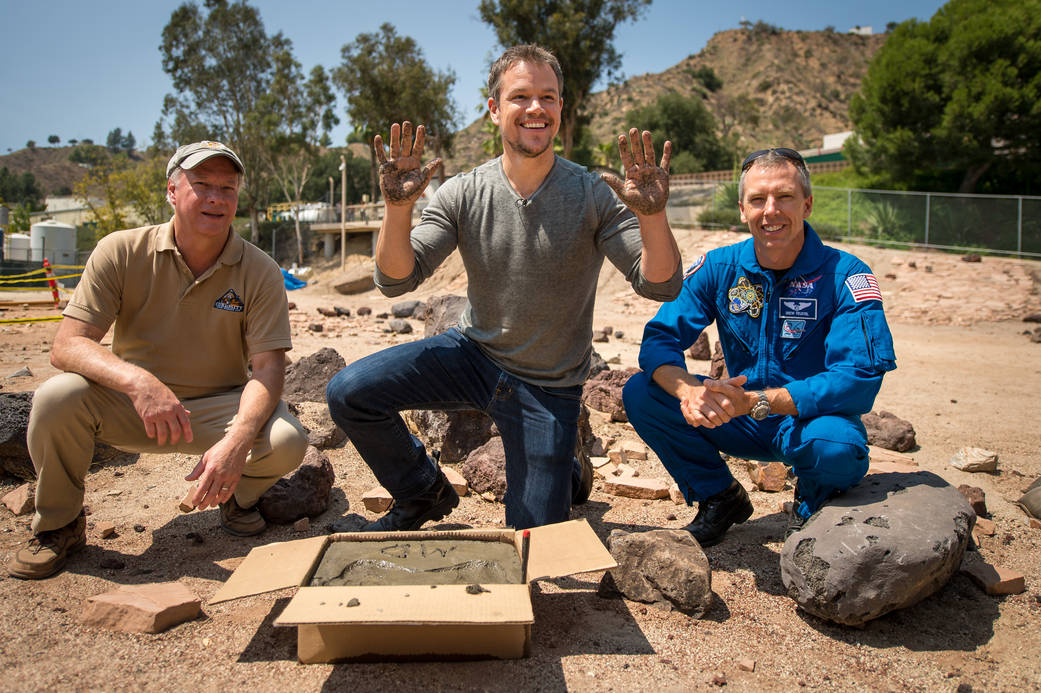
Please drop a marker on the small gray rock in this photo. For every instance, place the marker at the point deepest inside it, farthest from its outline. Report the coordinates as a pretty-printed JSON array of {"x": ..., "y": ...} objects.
[
  {"x": 663, "y": 567},
  {"x": 400, "y": 326},
  {"x": 887, "y": 543},
  {"x": 405, "y": 309}
]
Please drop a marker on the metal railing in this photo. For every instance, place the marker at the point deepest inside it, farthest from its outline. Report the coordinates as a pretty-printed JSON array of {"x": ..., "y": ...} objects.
[{"x": 1002, "y": 224}]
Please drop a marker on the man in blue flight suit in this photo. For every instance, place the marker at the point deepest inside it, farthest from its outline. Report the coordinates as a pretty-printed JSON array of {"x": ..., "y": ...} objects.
[{"x": 806, "y": 344}]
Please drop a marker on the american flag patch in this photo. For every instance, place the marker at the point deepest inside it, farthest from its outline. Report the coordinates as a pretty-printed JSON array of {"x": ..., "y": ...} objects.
[
  {"x": 695, "y": 267},
  {"x": 864, "y": 287}
]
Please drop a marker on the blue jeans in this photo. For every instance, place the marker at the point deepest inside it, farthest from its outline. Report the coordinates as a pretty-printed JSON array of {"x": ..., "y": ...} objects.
[
  {"x": 538, "y": 425},
  {"x": 828, "y": 453}
]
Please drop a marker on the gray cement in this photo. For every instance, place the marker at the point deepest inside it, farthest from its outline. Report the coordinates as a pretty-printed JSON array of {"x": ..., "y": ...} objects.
[{"x": 420, "y": 562}]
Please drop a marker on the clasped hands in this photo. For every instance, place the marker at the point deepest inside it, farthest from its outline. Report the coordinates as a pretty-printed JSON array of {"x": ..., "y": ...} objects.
[{"x": 715, "y": 402}]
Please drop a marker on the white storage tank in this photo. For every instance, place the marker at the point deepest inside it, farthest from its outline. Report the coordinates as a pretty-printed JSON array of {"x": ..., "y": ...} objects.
[
  {"x": 53, "y": 240},
  {"x": 16, "y": 246}
]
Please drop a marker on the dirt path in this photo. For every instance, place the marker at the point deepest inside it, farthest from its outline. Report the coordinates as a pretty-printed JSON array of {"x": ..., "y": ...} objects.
[{"x": 967, "y": 376}]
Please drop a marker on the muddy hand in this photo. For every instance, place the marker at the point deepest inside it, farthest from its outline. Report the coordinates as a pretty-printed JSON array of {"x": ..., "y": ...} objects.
[
  {"x": 645, "y": 189},
  {"x": 403, "y": 177}
]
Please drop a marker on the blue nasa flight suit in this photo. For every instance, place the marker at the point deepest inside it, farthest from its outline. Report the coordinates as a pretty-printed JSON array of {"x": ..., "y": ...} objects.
[{"x": 817, "y": 329}]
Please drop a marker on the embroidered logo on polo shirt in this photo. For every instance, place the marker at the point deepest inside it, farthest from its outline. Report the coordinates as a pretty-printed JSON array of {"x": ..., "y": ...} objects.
[
  {"x": 230, "y": 301},
  {"x": 746, "y": 298}
]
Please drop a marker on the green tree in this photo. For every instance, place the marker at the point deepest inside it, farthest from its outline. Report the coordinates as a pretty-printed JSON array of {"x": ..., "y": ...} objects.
[
  {"x": 31, "y": 144},
  {"x": 385, "y": 79},
  {"x": 579, "y": 32},
  {"x": 128, "y": 143},
  {"x": 85, "y": 153},
  {"x": 53, "y": 140},
  {"x": 691, "y": 128},
  {"x": 114, "y": 141},
  {"x": 21, "y": 190},
  {"x": 328, "y": 165},
  {"x": 952, "y": 103},
  {"x": 121, "y": 193},
  {"x": 219, "y": 60},
  {"x": 297, "y": 116}
]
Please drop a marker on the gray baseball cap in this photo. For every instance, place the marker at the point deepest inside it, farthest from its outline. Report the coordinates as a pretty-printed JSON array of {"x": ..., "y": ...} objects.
[{"x": 188, "y": 156}]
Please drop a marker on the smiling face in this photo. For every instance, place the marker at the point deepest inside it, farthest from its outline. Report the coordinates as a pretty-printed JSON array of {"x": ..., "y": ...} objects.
[
  {"x": 774, "y": 207},
  {"x": 528, "y": 109},
  {"x": 205, "y": 199}
]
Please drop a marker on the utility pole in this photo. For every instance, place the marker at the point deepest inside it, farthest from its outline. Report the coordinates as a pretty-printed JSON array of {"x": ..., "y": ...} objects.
[{"x": 343, "y": 212}]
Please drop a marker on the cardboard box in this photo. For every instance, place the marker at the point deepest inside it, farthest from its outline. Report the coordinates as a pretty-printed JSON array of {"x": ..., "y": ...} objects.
[{"x": 412, "y": 621}]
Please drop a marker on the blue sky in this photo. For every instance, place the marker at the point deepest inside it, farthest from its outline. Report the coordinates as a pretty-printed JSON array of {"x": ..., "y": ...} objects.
[{"x": 79, "y": 69}]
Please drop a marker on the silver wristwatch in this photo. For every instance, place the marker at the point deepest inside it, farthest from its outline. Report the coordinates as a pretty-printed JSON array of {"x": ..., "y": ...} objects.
[{"x": 761, "y": 409}]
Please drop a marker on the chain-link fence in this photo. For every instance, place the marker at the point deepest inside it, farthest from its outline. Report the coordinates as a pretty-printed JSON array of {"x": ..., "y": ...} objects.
[{"x": 1006, "y": 224}]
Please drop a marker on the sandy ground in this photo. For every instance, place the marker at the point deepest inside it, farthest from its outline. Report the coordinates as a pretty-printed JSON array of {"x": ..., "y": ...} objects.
[{"x": 967, "y": 376}]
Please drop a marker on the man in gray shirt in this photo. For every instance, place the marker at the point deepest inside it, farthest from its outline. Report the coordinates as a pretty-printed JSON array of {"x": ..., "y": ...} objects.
[{"x": 533, "y": 230}]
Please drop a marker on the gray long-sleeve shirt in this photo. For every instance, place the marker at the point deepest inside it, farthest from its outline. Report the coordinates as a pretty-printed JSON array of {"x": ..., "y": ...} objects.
[{"x": 532, "y": 264}]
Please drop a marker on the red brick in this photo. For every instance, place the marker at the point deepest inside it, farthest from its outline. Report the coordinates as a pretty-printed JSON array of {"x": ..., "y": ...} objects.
[{"x": 142, "y": 608}]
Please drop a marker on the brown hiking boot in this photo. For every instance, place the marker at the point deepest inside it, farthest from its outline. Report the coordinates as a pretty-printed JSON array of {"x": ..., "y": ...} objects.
[
  {"x": 47, "y": 551},
  {"x": 242, "y": 522}
]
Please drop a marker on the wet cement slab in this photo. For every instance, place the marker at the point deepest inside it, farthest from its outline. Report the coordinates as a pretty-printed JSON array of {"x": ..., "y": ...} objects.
[{"x": 420, "y": 562}]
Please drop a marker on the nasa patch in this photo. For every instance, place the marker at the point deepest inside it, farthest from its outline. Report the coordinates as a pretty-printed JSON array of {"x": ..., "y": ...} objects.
[
  {"x": 230, "y": 301},
  {"x": 802, "y": 308},
  {"x": 802, "y": 287}
]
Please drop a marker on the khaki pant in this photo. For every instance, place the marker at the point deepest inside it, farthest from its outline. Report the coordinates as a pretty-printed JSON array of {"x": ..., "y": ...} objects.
[{"x": 70, "y": 412}]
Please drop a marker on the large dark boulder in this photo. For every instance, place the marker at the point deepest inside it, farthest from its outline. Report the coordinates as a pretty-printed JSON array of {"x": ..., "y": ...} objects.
[
  {"x": 604, "y": 392},
  {"x": 306, "y": 379},
  {"x": 14, "y": 421},
  {"x": 304, "y": 493},
  {"x": 887, "y": 543}
]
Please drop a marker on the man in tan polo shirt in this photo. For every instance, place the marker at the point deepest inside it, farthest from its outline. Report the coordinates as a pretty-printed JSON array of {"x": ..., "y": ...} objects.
[{"x": 201, "y": 325}]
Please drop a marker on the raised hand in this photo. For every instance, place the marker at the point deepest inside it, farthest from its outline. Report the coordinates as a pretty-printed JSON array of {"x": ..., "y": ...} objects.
[
  {"x": 403, "y": 177},
  {"x": 645, "y": 189}
]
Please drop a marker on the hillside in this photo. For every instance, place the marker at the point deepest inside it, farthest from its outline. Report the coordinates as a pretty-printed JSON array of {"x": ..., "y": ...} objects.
[
  {"x": 786, "y": 88},
  {"x": 50, "y": 165}
]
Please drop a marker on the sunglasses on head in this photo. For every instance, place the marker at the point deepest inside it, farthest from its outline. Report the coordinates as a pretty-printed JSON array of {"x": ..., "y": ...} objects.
[{"x": 789, "y": 154}]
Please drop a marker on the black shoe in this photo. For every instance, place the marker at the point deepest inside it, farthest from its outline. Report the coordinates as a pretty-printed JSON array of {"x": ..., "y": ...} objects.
[
  {"x": 409, "y": 515},
  {"x": 716, "y": 514},
  {"x": 795, "y": 522},
  {"x": 582, "y": 485}
]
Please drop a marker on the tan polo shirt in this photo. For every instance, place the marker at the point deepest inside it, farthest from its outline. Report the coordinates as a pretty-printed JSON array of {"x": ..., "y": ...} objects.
[{"x": 195, "y": 335}]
